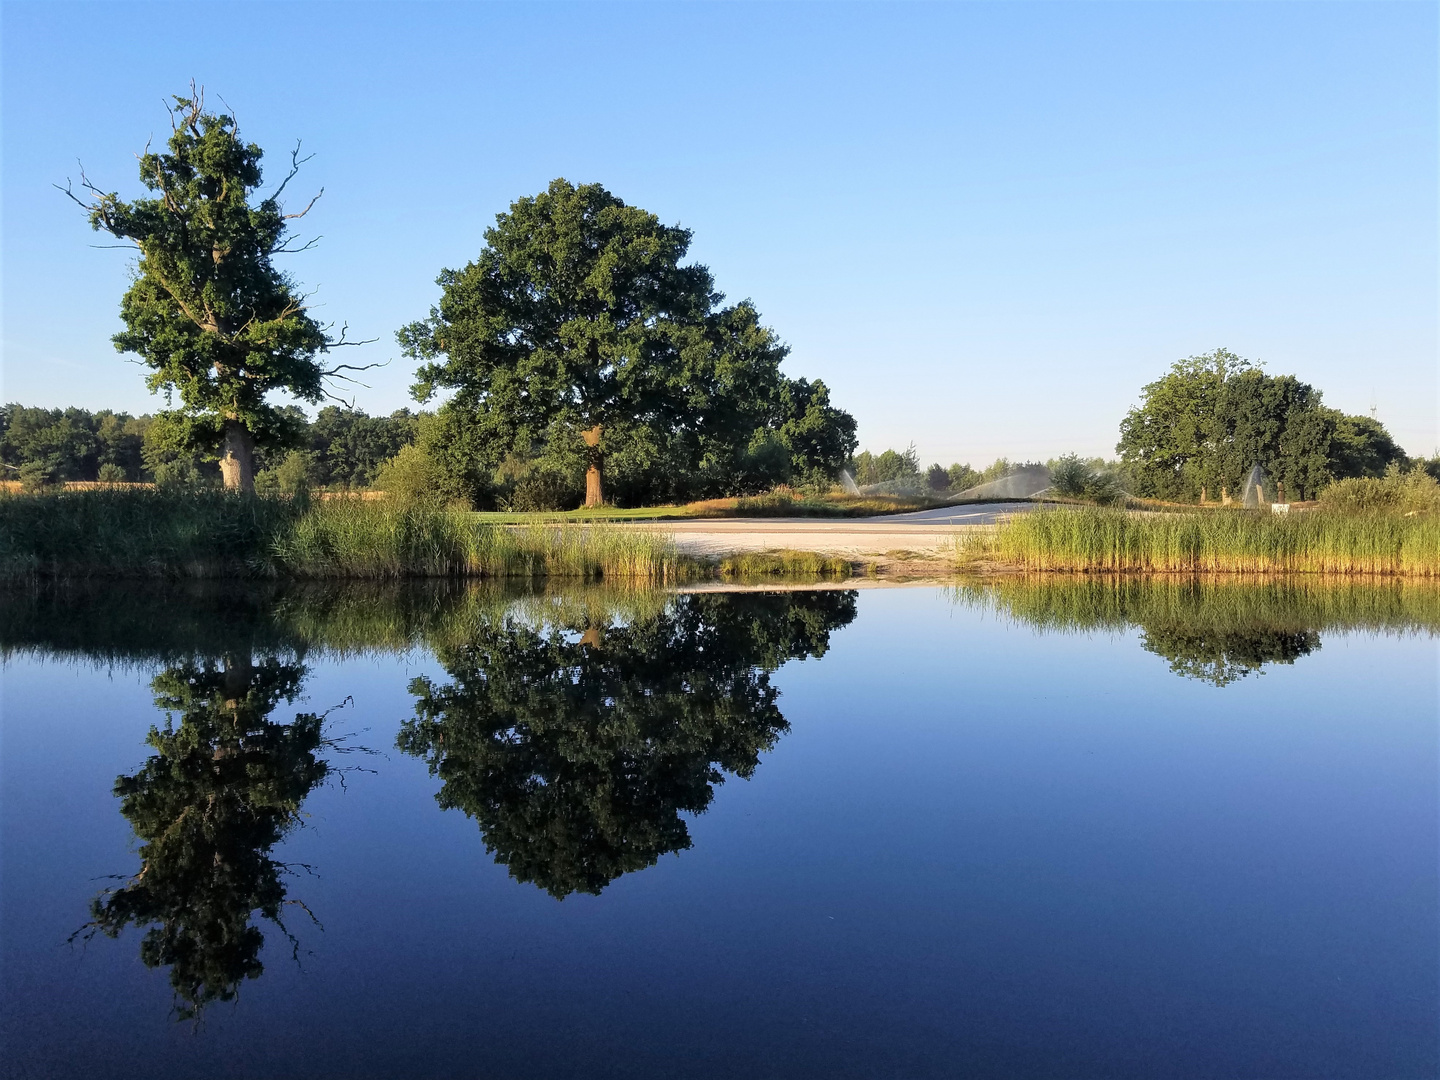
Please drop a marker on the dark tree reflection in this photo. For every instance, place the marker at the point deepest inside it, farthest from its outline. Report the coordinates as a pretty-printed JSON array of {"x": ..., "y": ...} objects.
[
  {"x": 1222, "y": 656},
  {"x": 577, "y": 745},
  {"x": 223, "y": 787}
]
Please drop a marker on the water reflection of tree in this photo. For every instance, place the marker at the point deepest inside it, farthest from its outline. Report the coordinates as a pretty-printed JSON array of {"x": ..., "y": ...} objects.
[
  {"x": 576, "y": 745},
  {"x": 221, "y": 790},
  {"x": 1216, "y": 629},
  {"x": 1221, "y": 656}
]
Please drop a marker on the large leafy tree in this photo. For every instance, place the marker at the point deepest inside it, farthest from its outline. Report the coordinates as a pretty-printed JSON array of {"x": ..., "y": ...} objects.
[
  {"x": 208, "y": 311},
  {"x": 578, "y": 330},
  {"x": 1205, "y": 423}
]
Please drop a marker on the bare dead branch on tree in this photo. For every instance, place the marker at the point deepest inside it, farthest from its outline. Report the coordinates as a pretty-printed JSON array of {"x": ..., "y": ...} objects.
[
  {"x": 286, "y": 249},
  {"x": 341, "y": 340},
  {"x": 295, "y": 162},
  {"x": 302, "y": 213}
]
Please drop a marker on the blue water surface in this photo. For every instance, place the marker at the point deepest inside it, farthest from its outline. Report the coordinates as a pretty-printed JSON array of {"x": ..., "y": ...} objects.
[{"x": 981, "y": 849}]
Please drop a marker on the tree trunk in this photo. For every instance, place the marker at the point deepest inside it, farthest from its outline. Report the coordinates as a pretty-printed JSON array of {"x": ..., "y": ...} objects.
[
  {"x": 237, "y": 458},
  {"x": 595, "y": 474},
  {"x": 239, "y": 676}
]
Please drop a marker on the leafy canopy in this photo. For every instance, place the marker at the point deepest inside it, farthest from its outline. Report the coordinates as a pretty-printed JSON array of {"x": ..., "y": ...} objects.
[
  {"x": 579, "y": 314},
  {"x": 1211, "y": 418},
  {"x": 208, "y": 311}
]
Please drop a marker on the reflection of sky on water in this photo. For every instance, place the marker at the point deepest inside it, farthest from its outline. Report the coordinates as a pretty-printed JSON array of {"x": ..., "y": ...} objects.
[{"x": 977, "y": 848}]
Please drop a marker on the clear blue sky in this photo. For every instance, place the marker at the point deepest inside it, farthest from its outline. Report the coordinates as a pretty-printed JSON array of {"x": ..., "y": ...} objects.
[{"x": 985, "y": 226}]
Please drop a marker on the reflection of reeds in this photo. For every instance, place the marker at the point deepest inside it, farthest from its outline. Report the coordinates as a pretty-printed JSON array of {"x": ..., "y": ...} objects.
[
  {"x": 1098, "y": 602},
  {"x": 1095, "y": 539},
  {"x": 126, "y": 622},
  {"x": 347, "y": 618}
]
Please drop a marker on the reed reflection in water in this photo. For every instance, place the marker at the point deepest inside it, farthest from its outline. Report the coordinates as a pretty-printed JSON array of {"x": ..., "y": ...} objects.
[{"x": 1216, "y": 629}]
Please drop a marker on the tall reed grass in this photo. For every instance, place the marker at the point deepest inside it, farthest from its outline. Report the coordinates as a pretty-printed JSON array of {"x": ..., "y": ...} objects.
[
  {"x": 138, "y": 532},
  {"x": 157, "y": 533},
  {"x": 1097, "y": 539},
  {"x": 384, "y": 541}
]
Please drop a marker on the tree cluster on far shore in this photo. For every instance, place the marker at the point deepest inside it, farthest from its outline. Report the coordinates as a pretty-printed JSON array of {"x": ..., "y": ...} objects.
[
  {"x": 1204, "y": 425},
  {"x": 340, "y": 448},
  {"x": 582, "y": 361},
  {"x": 582, "y": 357}
]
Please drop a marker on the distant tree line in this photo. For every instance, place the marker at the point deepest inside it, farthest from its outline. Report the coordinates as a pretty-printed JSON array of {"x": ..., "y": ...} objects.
[
  {"x": 342, "y": 448},
  {"x": 889, "y": 466},
  {"x": 584, "y": 361}
]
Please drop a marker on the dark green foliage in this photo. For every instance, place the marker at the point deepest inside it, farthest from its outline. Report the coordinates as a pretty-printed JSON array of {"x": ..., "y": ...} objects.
[
  {"x": 163, "y": 532},
  {"x": 36, "y": 476},
  {"x": 221, "y": 790},
  {"x": 1070, "y": 475},
  {"x": 72, "y": 444},
  {"x": 346, "y": 447},
  {"x": 963, "y": 477},
  {"x": 578, "y": 744},
  {"x": 1213, "y": 417},
  {"x": 171, "y": 458},
  {"x": 208, "y": 312},
  {"x": 1076, "y": 478},
  {"x": 349, "y": 446},
  {"x": 292, "y": 475},
  {"x": 868, "y": 468},
  {"x": 578, "y": 316},
  {"x": 819, "y": 436},
  {"x": 1227, "y": 655},
  {"x": 1360, "y": 446}
]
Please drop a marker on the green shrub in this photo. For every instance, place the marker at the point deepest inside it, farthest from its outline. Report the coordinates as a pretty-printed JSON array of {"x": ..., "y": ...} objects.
[
  {"x": 411, "y": 479},
  {"x": 292, "y": 476},
  {"x": 1395, "y": 492},
  {"x": 1070, "y": 475},
  {"x": 36, "y": 476},
  {"x": 110, "y": 473},
  {"x": 753, "y": 564},
  {"x": 1075, "y": 478},
  {"x": 546, "y": 489}
]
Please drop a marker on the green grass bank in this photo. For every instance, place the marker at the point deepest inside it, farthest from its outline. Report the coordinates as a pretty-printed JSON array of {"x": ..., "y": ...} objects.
[
  {"x": 1095, "y": 539},
  {"x": 164, "y": 534}
]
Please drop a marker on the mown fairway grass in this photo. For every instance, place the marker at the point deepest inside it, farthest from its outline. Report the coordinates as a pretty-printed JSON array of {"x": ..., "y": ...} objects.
[
  {"x": 149, "y": 533},
  {"x": 1247, "y": 542}
]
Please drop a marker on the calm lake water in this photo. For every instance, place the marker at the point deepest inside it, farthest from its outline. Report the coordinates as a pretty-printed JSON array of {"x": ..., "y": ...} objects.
[{"x": 1038, "y": 829}]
